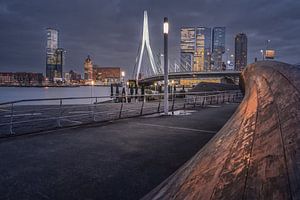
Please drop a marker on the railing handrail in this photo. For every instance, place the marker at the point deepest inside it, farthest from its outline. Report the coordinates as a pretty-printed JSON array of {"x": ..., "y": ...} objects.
[
  {"x": 112, "y": 97},
  {"x": 61, "y": 113}
]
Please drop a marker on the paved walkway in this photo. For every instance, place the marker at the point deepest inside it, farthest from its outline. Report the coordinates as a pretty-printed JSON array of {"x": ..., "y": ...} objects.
[{"x": 124, "y": 159}]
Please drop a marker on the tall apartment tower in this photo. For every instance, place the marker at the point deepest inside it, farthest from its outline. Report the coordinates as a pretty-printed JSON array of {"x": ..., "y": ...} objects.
[
  {"x": 218, "y": 47},
  {"x": 195, "y": 47},
  {"x": 88, "y": 69},
  {"x": 55, "y": 57},
  {"x": 240, "y": 58}
]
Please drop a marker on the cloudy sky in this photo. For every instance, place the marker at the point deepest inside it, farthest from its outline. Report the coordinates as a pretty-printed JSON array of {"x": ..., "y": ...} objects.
[{"x": 110, "y": 30}]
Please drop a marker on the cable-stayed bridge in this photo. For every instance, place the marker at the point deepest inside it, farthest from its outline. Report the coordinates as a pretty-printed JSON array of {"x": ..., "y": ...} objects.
[{"x": 178, "y": 69}]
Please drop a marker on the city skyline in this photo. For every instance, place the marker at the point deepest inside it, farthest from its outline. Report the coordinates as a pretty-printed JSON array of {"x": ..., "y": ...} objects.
[{"x": 113, "y": 39}]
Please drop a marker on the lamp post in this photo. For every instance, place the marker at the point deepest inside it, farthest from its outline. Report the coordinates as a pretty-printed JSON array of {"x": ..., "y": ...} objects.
[
  {"x": 123, "y": 77},
  {"x": 262, "y": 54},
  {"x": 166, "y": 70}
]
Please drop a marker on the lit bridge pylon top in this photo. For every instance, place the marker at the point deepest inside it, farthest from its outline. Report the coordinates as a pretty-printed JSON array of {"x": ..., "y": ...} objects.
[{"x": 146, "y": 43}]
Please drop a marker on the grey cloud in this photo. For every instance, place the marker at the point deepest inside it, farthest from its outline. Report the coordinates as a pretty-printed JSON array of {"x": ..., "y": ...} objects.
[{"x": 110, "y": 30}]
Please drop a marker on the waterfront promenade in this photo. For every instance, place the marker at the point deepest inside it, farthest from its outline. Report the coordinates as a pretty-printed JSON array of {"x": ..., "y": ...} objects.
[{"x": 124, "y": 159}]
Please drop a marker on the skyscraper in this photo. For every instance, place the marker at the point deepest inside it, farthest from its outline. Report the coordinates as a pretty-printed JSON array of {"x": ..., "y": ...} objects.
[
  {"x": 240, "y": 51},
  {"x": 187, "y": 47},
  {"x": 195, "y": 48},
  {"x": 218, "y": 47},
  {"x": 54, "y": 56},
  {"x": 60, "y": 62},
  {"x": 52, "y": 45},
  {"x": 203, "y": 49},
  {"x": 88, "y": 69}
]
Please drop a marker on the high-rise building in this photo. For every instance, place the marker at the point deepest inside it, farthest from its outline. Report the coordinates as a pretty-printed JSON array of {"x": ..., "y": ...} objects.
[
  {"x": 195, "y": 47},
  {"x": 88, "y": 69},
  {"x": 187, "y": 47},
  {"x": 55, "y": 56},
  {"x": 240, "y": 58},
  {"x": 203, "y": 49},
  {"x": 52, "y": 45},
  {"x": 60, "y": 62},
  {"x": 218, "y": 47}
]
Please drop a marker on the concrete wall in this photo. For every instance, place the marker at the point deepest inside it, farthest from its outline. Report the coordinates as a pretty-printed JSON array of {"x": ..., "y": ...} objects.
[{"x": 256, "y": 155}]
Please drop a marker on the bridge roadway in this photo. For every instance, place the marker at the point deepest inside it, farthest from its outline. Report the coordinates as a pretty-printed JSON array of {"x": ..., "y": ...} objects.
[
  {"x": 233, "y": 75},
  {"x": 123, "y": 159},
  {"x": 256, "y": 155}
]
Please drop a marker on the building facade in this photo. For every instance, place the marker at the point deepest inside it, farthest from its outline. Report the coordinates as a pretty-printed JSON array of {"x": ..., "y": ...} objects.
[
  {"x": 21, "y": 78},
  {"x": 106, "y": 75},
  {"x": 74, "y": 76},
  {"x": 218, "y": 48},
  {"x": 60, "y": 62},
  {"x": 195, "y": 48},
  {"x": 240, "y": 58},
  {"x": 203, "y": 49},
  {"x": 88, "y": 69},
  {"x": 187, "y": 47},
  {"x": 55, "y": 57}
]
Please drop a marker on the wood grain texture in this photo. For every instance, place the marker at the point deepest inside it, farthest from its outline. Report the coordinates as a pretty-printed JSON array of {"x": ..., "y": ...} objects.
[{"x": 256, "y": 155}]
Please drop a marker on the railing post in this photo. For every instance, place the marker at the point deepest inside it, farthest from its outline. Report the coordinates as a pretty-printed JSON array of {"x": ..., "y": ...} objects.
[
  {"x": 195, "y": 98},
  {"x": 159, "y": 100},
  {"x": 173, "y": 104},
  {"x": 203, "y": 98},
  {"x": 11, "y": 119},
  {"x": 121, "y": 109},
  {"x": 60, "y": 113},
  {"x": 93, "y": 111},
  {"x": 141, "y": 113}
]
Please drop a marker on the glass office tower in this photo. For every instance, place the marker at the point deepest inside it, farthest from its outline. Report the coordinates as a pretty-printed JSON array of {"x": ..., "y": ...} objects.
[
  {"x": 195, "y": 47},
  {"x": 218, "y": 47},
  {"x": 240, "y": 58},
  {"x": 187, "y": 47},
  {"x": 55, "y": 57}
]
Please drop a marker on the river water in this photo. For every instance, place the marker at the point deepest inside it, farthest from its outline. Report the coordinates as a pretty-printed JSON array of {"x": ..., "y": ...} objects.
[{"x": 19, "y": 93}]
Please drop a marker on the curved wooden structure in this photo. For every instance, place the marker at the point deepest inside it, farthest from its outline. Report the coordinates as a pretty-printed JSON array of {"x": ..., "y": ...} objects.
[{"x": 256, "y": 155}]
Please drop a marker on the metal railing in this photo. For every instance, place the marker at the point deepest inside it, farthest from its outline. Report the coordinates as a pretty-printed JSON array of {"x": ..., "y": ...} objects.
[{"x": 33, "y": 115}]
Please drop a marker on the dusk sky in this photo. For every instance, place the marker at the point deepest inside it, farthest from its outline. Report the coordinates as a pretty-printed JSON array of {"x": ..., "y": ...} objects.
[{"x": 110, "y": 30}]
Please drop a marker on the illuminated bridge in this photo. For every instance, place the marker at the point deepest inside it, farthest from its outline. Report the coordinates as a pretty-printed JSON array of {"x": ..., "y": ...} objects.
[
  {"x": 154, "y": 71},
  {"x": 228, "y": 76}
]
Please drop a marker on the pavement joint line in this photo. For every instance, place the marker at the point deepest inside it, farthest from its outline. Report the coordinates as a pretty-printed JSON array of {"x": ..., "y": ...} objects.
[
  {"x": 178, "y": 128},
  {"x": 211, "y": 106},
  {"x": 74, "y": 121},
  {"x": 79, "y": 112}
]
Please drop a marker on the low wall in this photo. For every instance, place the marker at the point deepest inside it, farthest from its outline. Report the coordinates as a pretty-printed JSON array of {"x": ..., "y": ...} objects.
[{"x": 256, "y": 155}]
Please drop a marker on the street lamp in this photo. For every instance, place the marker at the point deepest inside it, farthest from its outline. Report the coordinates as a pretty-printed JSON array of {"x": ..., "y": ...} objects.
[
  {"x": 166, "y": 70},
  {"x": 92, "y": 87},
  {"x": 123, "y": 76},
  {"x": 262, "y": 54}
]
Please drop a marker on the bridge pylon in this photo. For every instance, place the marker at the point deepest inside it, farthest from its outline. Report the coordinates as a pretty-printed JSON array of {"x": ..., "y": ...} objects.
[{"x": 146, "y": 43}]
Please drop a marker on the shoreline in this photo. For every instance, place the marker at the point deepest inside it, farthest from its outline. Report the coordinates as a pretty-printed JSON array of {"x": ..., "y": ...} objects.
[{"x": 47, "y": 86}]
